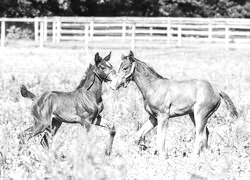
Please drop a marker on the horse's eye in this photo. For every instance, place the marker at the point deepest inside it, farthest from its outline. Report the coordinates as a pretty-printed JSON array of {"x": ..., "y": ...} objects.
[{"x": 125, "y": 68}]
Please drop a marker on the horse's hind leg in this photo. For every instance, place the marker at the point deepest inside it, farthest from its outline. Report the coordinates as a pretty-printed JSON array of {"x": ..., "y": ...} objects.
[
  {"x": 39, "y": 128},
  {"x": 201, "y": 116},
  {"x": 23, "y": 134},
  {"x": 201, "y": 135},
  {"x": 45, "y": 140},
  {"x": 205, "y": 138},
  {"x": 56, "y": 124}
]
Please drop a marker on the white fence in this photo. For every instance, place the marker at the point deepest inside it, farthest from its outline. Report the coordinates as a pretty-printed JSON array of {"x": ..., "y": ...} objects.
[{"x": 168, "y": 31}]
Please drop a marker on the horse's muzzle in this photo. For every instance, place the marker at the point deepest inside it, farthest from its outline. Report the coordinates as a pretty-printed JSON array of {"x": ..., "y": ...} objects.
[{"x": 116, "y": 83}]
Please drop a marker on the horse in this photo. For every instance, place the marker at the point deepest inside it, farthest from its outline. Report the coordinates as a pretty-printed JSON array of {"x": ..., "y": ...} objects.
[
  {"x": 82, "y": 105},
  {"x": 165, "y": 98}
]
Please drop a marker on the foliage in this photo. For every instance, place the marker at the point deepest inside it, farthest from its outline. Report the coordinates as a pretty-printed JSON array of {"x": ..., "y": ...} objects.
[
  {"x": 183, "y": 8},
  {"x": 205, "y": 8},
  {"x": 14, "y": 32}
]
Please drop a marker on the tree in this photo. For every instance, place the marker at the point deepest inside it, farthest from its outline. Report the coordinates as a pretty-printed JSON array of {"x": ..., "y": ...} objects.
[
  {"x": 174, "y": 8},
  {"x": 205, "y": 8}
]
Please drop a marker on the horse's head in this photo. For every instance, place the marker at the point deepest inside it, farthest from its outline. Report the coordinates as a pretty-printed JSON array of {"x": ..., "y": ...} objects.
[
  {"x": 125, "y": 73},
  {"x": 104, "y": 70}
]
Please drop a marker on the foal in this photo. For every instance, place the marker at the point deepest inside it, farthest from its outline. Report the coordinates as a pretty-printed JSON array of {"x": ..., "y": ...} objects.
[
  {"x": 165, "y": 98},
  {"x": 83, "y": 105}
]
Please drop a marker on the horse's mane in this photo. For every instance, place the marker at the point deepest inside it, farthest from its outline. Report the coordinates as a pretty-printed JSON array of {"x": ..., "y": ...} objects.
[
  {"x": 87, "y": 73},
  {"x": 149, "y": 68}
]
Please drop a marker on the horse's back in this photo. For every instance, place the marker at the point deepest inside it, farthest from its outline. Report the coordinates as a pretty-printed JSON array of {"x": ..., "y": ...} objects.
[
  {"x": 76, "y": 101},
  {"x": 69, "y": 106},
  {"x": 194, "y": 86},
  {"x": 51, "y": 101},
  {"x": 182, "y": 90},
  {"x": 177, "y": 96}
]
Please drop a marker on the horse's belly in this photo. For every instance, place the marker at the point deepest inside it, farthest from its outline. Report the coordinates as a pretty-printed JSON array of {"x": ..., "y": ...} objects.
[{"x": 181, "y": 109}]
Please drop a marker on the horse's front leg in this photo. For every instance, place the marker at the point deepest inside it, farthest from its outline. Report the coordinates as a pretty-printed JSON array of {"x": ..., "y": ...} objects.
[
  {"x": 147, "y": 127},
  {"x": 99, "y": 121},
  {"x": 112, "y": 133},
  {"x": 22, "y": 136},
  {"x": 161, "y": 133}
]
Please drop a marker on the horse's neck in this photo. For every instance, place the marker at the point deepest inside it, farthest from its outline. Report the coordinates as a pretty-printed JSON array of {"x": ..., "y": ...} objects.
[
  {"x": 144, "y": 78},
  {"x": 96, "y": 89},
  {"x": 94, "y": 85}
]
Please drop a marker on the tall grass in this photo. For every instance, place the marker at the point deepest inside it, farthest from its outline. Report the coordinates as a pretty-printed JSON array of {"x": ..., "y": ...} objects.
[{"x": 78, "y": 155}]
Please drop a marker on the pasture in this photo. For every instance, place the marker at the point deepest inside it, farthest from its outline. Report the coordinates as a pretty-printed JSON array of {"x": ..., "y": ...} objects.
[{"x": 77, "y": 155}]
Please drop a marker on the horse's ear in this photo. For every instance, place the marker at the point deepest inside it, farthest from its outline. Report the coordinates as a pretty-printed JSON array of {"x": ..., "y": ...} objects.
[
  {"x": 131, "y": 54},
  {"x": 107, "y": 58},
  {"x": 123, "y": 57},
  {"x": 97, "y": 58}
]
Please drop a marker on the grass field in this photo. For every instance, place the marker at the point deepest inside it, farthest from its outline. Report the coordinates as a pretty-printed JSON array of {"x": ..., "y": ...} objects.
[{"x": 77, "y": 155}]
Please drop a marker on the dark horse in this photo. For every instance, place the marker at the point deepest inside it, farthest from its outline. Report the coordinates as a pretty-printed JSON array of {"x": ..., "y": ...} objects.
[
  {"x": 83, "y": 105},
  {"x": 165, "y": 98}
]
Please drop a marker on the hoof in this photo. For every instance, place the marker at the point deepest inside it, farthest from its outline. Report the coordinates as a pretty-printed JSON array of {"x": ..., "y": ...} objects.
[
  {"x": 60, "y": 156},
  {"x": 21, "y": 138},
  {"x": 138, "y": 141},
  {"x": 143, "y": 147},
  {"x": 107, "y": 152},
  {"x": 156, "y": 153},
  {"x": 162, "y": 155}
]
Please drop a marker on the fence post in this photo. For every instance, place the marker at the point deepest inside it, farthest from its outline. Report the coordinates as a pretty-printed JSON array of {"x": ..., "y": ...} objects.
[
  {"x": 36, "y": 29},
  {"x": 53, "y": 30},
  {"x": 133, "y": 37},
  {"x": 227, "y": 37},
  {"x": 123, "y": 29},
  {"x": 86, "y": 39},
  {"x": 179, "y": 36},
  {"x": 168, "y": 32},
  {"x": 91, "y": 33},
  {"x": 41, "y": 33},
  {"x": 58, "y": 29},
  {"x": 45, "y": 28},
  {"x": 2, "y": 33}
]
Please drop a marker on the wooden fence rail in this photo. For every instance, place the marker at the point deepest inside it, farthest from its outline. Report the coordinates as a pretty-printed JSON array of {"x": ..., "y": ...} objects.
[{"x": 173, "y": 31}]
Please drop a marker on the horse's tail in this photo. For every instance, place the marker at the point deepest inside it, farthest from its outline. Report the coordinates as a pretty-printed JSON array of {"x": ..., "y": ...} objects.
[
  {"x": 229, "y": 103},
  {"x": 26, "y": 93}
]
